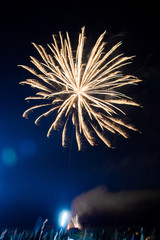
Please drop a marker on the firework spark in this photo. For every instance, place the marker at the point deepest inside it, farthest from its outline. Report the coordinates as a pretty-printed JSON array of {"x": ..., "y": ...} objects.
[
  {"x": 84, "y": 92},
  {"x": 74, "y": 222}
]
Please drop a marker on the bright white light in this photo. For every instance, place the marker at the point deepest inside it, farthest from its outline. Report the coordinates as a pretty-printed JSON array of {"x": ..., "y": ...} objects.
[{"x": 63, "y": 218}]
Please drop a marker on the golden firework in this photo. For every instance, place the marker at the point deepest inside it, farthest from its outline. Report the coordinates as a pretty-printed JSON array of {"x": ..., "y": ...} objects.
[{"x": 85, "y": 92}]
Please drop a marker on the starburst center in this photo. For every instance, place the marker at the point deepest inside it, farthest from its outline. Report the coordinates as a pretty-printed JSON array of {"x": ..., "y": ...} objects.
[{"x": 78, "y": 91}]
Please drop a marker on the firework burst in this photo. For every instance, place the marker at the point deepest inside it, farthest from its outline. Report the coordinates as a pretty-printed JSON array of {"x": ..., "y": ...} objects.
[{"x": 84, "y": 92}]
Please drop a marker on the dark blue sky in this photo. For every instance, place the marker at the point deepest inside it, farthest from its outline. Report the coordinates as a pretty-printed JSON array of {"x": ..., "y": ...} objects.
[{"x": 43, "y": 177}]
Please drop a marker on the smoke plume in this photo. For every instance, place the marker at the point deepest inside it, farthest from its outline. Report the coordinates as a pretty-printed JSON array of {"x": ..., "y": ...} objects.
[{"x": 135, "y": 206}]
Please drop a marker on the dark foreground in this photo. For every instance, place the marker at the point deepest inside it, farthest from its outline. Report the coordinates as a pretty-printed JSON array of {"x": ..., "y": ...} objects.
[{"x": 110, "y": 233}]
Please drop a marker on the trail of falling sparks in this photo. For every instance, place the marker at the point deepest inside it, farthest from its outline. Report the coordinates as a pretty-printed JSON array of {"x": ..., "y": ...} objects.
[{"x": 87, "y": 92}]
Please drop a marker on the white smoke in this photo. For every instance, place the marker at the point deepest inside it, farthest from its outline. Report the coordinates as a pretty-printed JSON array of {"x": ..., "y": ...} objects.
[{"x": 100, "y": 201}]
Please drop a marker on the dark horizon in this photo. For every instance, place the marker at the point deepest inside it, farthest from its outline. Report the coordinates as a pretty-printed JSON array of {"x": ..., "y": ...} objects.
[{"x": 43, "y": 177}]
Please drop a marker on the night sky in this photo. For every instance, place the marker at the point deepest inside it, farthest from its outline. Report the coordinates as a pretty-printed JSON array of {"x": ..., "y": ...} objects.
[{"x": 37, "y": 176}]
